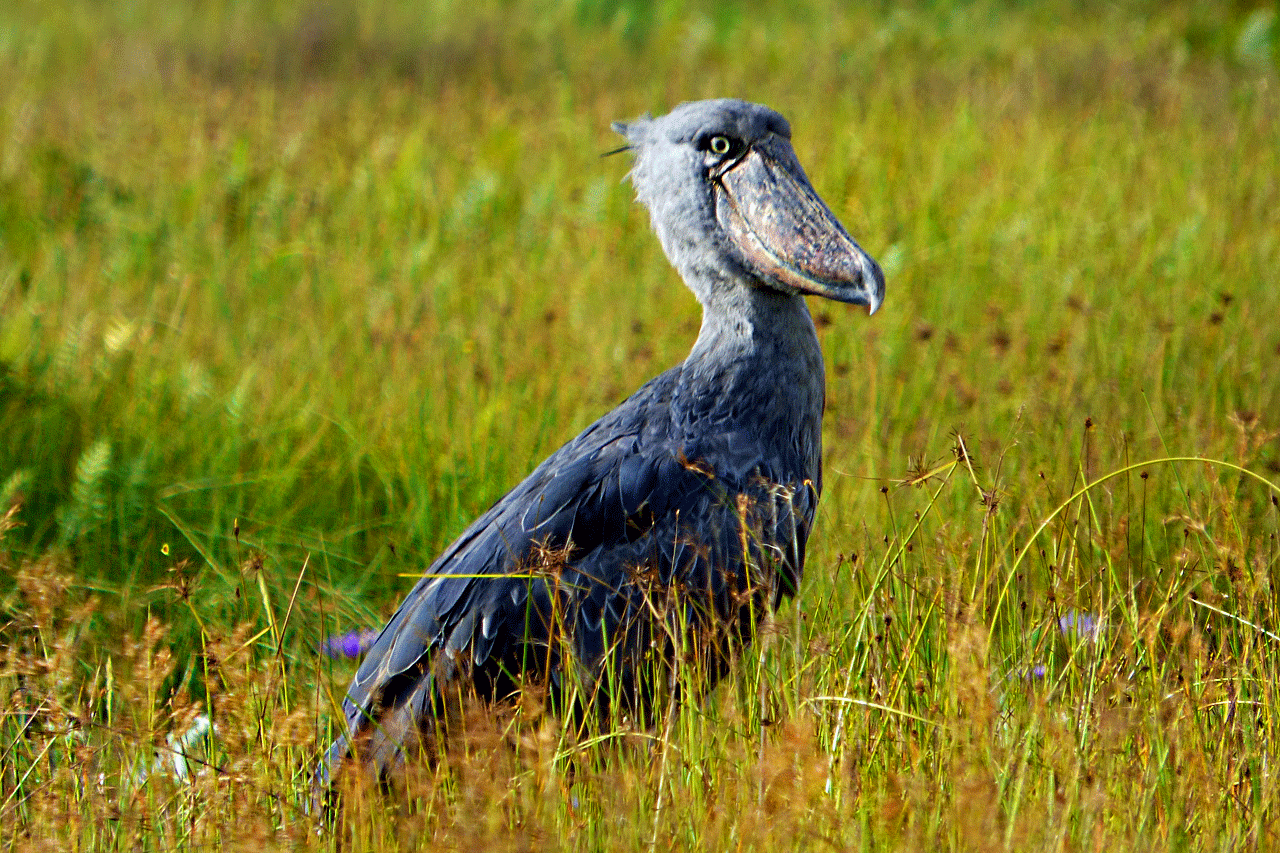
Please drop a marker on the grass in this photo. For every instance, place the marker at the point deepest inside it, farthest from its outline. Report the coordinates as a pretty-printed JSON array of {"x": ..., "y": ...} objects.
[{"x": 290, "y": 293}]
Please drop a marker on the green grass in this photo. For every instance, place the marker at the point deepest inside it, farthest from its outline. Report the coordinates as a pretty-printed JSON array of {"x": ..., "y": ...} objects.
[{"x": 289, "y": 293}]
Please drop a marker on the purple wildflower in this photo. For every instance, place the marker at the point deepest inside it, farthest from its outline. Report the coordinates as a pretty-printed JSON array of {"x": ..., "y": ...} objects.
[
  {"x": 349, "y": 645},
  {"x": 1086, "y": 626}
]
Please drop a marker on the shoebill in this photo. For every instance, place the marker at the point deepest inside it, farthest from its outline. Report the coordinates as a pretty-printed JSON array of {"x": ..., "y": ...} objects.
[{"x": 641, "y": 556}]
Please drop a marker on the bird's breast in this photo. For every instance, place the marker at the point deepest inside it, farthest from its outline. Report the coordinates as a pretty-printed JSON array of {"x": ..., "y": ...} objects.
[{"x": 756, "y": 418}]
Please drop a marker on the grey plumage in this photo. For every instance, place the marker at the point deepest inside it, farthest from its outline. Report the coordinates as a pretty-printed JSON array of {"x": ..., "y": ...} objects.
[{"x": 678, "y": 519}]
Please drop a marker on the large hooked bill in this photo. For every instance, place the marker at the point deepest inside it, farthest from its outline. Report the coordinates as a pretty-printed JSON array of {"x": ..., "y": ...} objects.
[{"x": 788, "y": 233}]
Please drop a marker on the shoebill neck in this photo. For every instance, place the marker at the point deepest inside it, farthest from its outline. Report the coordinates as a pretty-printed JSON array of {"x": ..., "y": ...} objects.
[
  {"x": 745, "y": 325},
  {"x": 756, "y": 369}
]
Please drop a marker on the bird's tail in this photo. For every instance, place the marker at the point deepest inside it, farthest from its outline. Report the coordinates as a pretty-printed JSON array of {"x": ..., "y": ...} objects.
[{"x": 380, "y": 743}]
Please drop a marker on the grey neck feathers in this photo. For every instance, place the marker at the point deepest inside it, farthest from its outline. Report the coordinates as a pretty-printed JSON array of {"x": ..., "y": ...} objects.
[
  {"x": 756, "y": 370},
  {"x": 745, "y": 323}
]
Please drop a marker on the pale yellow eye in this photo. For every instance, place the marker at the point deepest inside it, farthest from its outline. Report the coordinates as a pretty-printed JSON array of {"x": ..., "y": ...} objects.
[{"x": 720, "y": 145}]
